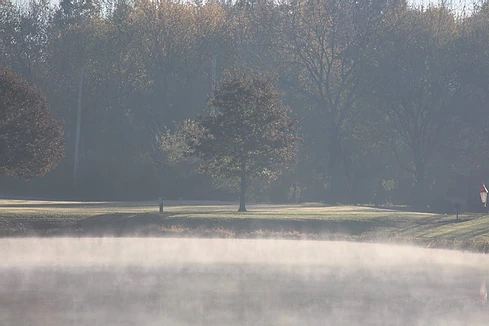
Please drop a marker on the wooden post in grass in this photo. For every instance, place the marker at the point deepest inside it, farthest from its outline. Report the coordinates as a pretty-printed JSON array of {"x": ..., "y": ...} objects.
[{"x": 457, "y": 208}]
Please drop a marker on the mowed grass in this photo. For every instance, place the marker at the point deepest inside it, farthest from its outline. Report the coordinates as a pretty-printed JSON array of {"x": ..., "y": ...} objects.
[{"x": 220, "y": 219}]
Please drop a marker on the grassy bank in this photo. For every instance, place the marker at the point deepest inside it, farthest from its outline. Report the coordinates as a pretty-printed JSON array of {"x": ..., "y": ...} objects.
[{"x": 194, "y": 219}]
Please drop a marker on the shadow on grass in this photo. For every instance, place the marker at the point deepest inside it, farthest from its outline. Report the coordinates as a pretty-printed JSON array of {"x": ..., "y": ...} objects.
[
  {"x": 175, "y": 224},
  {"x": 436, "y": 221},
  {"x": 121, "y": 224},
  {"x": 82, "y": 205}
]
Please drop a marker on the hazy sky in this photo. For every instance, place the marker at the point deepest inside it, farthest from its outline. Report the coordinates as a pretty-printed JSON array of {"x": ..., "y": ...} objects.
[{"x": 458, "y": 4}]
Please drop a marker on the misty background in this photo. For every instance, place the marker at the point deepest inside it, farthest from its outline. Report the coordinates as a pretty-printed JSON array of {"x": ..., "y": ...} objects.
[{"x": 390, "y": 98}]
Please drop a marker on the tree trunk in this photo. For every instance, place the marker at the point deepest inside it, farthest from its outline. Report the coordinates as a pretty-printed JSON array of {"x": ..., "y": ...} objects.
[
  {"x": 333, "y": 152},
  {"x": 419, "y": 184},
  {"x": 242, "y": 194},
  {"x": 331, "y": 189}
]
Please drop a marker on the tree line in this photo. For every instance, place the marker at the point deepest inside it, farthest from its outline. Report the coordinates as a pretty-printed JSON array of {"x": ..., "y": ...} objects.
[{"x": 390, "y": 99}]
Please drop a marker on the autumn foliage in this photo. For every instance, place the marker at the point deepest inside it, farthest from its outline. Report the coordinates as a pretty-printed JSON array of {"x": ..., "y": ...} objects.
[{"x": 31, "y": 140}]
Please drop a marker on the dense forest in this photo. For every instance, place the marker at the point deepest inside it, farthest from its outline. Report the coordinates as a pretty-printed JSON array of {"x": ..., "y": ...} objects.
[{"x": 391, "y": 100}]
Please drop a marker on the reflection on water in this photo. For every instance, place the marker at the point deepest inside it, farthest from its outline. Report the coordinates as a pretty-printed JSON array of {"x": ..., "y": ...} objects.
[{"x": 235, "y": 282}]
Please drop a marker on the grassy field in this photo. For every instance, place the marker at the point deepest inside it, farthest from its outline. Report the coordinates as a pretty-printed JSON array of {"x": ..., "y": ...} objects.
[{"x": 216, "y": 219}]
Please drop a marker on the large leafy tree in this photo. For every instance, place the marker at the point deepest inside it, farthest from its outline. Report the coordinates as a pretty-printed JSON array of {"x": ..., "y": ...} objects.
[
  {"x": 324, "y": 46},
  {"x": 31, "y": 140},
  {"x": 250, "y": 135},
  {"x": 415, "y": 84}
]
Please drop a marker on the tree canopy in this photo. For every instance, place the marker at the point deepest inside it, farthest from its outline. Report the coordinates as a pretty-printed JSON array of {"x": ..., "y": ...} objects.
[
  {"x": 249, "y": 134},
  {"x": 31, "y": 140}
]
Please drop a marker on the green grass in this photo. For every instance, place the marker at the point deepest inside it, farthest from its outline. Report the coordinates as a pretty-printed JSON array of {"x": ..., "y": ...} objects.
[{"x": 307, "y": 221}]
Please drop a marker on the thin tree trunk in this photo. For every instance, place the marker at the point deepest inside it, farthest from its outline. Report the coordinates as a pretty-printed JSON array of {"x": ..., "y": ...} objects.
[
  {"x": 420, "y": 184},
  {"x": 78, "y": 126},
  {"x": 333, "y": 152},
  {"x": 243, "y": 186},
  {"x": 330, "y": 190}
]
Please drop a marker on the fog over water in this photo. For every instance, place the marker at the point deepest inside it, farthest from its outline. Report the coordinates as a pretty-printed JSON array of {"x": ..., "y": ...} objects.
[{"x": 146, "y": 281}]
